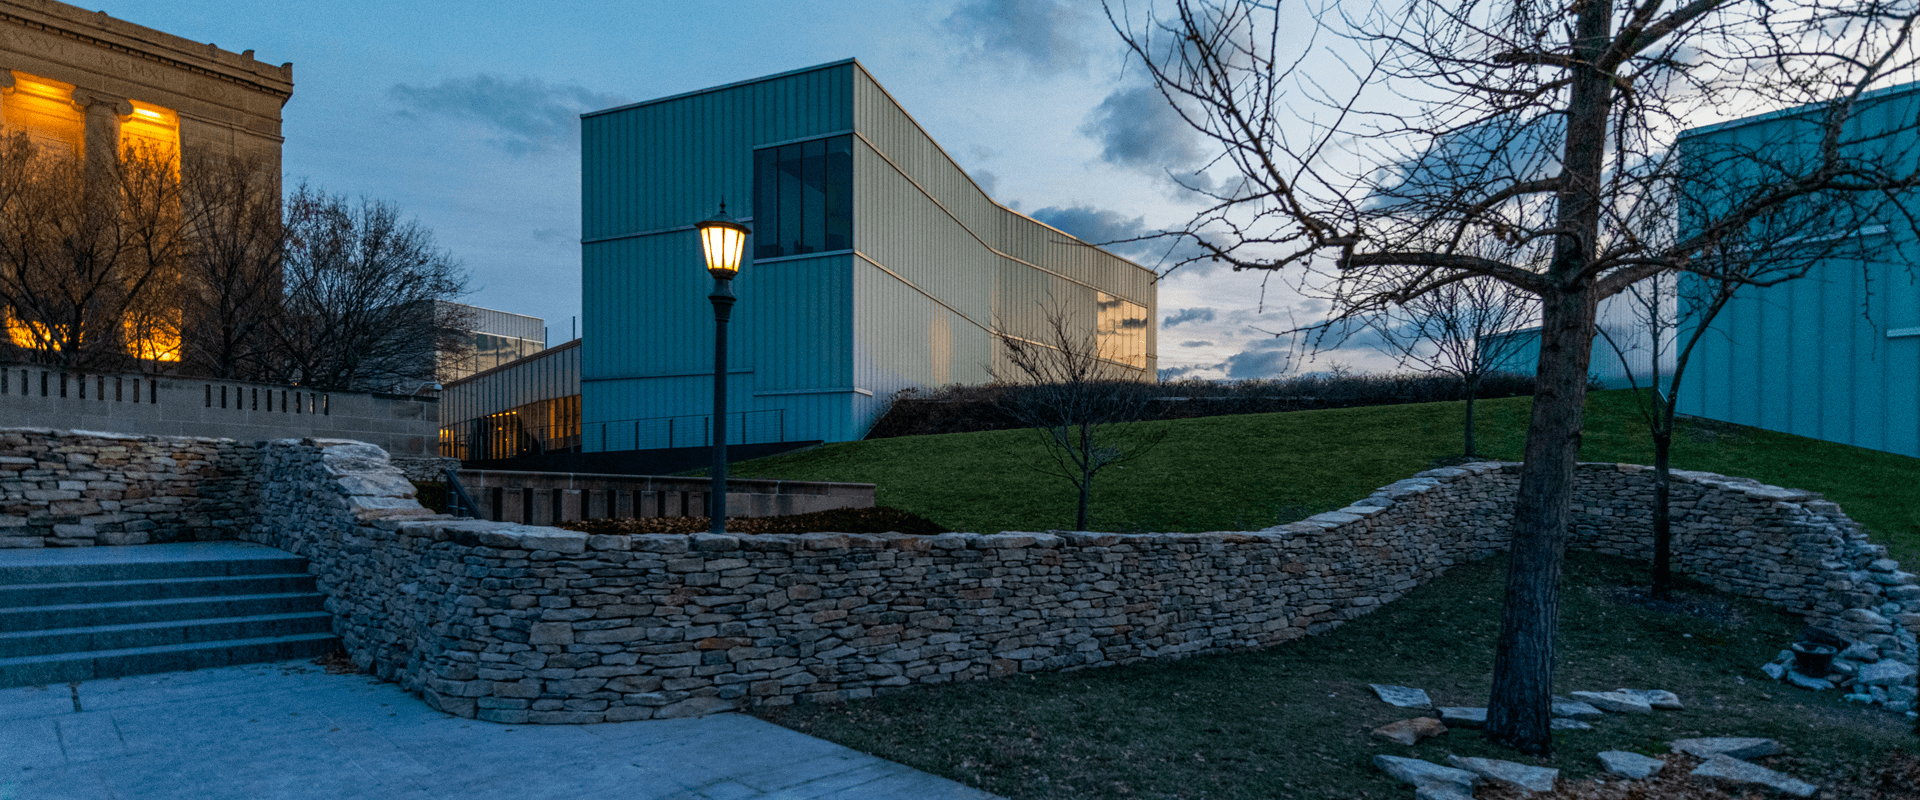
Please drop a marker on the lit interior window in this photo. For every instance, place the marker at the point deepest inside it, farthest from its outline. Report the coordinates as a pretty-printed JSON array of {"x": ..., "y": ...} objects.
[
  {"x": 1122, "y": 329},
  {"x": 153, "y": 340},
  {"x": 43, "y": 110}
]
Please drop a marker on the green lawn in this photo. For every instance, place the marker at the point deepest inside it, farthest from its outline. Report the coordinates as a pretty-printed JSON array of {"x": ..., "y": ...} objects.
[{"x": 1252, "y": 471}]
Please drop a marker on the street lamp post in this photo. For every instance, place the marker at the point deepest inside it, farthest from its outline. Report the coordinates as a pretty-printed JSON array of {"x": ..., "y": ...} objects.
[{"x": 723, "y": 241}]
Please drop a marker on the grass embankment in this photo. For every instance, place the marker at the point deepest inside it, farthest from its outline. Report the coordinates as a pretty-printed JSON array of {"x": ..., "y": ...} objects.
[
  {"x": 1292, "y": 721},
  {"x": 1252, "y": 471}
]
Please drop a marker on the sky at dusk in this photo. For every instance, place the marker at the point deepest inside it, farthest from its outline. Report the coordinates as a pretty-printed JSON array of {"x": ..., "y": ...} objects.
[{"x": 465, "y": 115}]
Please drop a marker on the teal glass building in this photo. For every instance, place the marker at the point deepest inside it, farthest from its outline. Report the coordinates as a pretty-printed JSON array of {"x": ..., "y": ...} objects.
[{"x": 875, "y": 265}]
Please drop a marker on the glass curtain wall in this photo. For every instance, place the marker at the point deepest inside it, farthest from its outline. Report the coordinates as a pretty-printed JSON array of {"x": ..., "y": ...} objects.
[{"x": 803, "y": 198}]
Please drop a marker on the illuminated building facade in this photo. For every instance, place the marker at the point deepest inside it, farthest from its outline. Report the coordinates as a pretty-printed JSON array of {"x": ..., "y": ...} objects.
[
  {"x": 876, "y": 264},
  {"x": 86, "y": 88},
  {"x": 497, "y": 338}
]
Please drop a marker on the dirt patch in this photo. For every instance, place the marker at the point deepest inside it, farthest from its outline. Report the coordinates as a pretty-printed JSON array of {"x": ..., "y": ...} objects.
[
  {"x": 1698, "y": 605},
  {"x": 338, "y": 663}
]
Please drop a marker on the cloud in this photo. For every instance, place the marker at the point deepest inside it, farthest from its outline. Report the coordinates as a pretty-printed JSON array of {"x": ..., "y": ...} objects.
[
  {"x": 554, "y": 235},
  {"x": 989, "y": 182},
  {"x": 1097, "y": 225},
  {"x": 1137, "y": 129},
  {"x": 1176, "y": 373},
  {"x": 1490, "y": 152},
  {"x": 529, "y": 115},
  {"x": 1197, "y": 343},
  {"x": 1188, "y": 315},
  {"x": 1264, "y": 358},
  {"x": 1043, "y": 35}
]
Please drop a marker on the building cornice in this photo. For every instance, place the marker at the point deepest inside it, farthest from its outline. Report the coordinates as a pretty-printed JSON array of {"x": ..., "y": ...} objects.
[{"x": 97, "y": 29}]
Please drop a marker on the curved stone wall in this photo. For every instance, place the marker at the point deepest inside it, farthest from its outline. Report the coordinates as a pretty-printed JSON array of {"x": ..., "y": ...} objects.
[{"x": 519, "y": 624}]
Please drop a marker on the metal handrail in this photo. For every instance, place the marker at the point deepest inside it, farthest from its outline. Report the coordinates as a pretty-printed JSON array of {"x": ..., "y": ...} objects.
[{"x": 459, "y": 503}]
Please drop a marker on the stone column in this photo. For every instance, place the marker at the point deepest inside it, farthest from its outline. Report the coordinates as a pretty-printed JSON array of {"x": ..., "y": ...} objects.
[{"x": 101, "y": 143}]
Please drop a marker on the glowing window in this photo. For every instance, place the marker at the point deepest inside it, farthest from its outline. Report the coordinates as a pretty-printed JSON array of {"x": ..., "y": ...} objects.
[
  {"x": 43, "y": 110},
  {"x": 1122, "y": 329}
]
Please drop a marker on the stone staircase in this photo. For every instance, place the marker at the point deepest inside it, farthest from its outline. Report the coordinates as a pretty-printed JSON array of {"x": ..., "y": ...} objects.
[{"x": 102, "y": 612}]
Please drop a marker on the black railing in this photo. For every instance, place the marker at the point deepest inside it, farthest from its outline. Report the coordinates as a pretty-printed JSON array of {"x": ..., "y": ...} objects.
[
  {"x": 459, "y": 503},
  {"x": 491, "y": 438}
]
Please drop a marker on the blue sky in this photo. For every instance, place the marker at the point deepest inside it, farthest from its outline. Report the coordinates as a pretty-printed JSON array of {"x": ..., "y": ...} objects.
[{"x": 465, "y": 115}]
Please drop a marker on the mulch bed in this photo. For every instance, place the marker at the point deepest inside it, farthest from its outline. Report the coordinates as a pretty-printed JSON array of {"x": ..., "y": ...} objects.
[{"x": 879, "y": 519}]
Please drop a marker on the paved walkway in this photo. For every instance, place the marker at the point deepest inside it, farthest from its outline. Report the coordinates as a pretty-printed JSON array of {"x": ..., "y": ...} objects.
[{"x": 289, "y": 730}]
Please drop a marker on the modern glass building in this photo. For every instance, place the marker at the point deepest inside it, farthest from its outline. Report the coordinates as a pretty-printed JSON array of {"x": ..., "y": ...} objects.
[
  {"x": 876, "y": 265},
  {"x": 498, "y": 337}
]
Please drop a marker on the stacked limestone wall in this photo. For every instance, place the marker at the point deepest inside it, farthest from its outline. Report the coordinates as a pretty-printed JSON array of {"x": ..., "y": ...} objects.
[
  {"x": 78, "y": 488},
  {"x": 515, "y": 623}
]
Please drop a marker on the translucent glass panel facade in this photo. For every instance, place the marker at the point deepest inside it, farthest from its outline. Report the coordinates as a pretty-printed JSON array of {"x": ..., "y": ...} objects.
[
  {"x": 489, "y": 351},
  {"x": 803, "y": 197},
  {"x": 1122, "y": 327}
]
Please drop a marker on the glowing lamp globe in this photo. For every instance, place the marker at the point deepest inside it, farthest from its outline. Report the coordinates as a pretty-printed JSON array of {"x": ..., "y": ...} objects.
[{"x": 723, "y": 241}]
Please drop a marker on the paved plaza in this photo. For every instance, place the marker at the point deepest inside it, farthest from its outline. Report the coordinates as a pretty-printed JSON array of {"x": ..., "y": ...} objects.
[{"x": 290, "y": 730}]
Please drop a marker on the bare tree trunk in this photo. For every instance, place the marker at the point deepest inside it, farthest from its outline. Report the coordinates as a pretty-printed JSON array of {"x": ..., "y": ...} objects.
[
  {"x": 1662, "y": 516},
  {"x": 1081, "y": 521},
  {"x": 1473, "y": 388},
  {"x": 1519, "y": 710}
]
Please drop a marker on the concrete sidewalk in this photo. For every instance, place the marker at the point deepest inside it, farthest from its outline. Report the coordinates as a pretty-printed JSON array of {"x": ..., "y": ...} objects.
[{"x": 289, "y": 730}]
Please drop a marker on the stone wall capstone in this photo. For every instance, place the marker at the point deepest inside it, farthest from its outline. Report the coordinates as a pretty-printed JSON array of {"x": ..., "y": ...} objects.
[
  {"x": 522, "y": 624},
  {"x": 81, "y": 488}
]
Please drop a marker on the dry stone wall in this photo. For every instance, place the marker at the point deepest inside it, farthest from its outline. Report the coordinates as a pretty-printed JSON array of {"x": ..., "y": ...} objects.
[
  {"x": 78, "y": 488},
  {"x": 517, "y": 624}
]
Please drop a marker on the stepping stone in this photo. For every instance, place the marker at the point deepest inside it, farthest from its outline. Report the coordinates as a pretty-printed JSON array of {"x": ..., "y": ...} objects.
[
  {"x": 1614, "y": 701},
  {"x": 1733, "y": 770},
  {"x": 1463, "y": 716},
  {"x": 1862, "y": 652},
  {"x": 1631, "y": 765},
  {"x": 1658, "y": 698},
  {"x": 1574, "y": 708},
  {"x": 1402, "y": 696},
  {"x": 1884, "y": 673},
  {"x": 1734, "y": 746},
  {"x": 1519, "y": 776},
  {"x": 1775, "y": 671},
  {"x": 1426, "y": 774},
  {"x": 1804, "y": 682},
  {"x": 1567, "y": 724},
  {"x": 1410, "y": 731}
]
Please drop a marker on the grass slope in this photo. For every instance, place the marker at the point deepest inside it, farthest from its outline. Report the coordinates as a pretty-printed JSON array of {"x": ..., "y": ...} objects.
[{"x": 1252, "y": 471}]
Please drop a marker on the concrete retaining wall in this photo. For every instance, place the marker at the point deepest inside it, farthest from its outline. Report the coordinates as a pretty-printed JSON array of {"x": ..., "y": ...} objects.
[
  {"x": 159, "y": 405},
  {"x": 530, "y": 497}
]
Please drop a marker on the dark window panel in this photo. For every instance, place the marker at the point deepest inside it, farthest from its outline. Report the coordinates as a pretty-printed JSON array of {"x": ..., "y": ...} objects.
[
  {"x": 839, "y": 193},
  {"x": 813, "y": 171},
  {"x": 791, "y": 206},
  {"x": 766, "y": 203}
]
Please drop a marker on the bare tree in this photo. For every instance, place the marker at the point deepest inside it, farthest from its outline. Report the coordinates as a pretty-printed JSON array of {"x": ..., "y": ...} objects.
[
  {"x": 1084, "y": 405},
  {"x": 1671, "y": 314},
  {"x": 90, "y": 255},
  {"x": 232, "y": 280},
  {"x": 1547, "y": 128},
  {"x": 363, "y": 286},
  {"x": 1463, "y": 329}
]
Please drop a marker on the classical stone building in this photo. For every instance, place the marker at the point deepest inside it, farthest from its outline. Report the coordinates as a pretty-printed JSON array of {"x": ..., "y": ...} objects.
[{"x": 83, "y": 82}]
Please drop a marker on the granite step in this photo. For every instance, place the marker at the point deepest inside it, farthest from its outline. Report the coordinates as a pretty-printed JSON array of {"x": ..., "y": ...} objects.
[
  {"x": 53, "y": 594},
  {"x": 125, "y": 612},
  {"x": 69, "y": 667}
]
